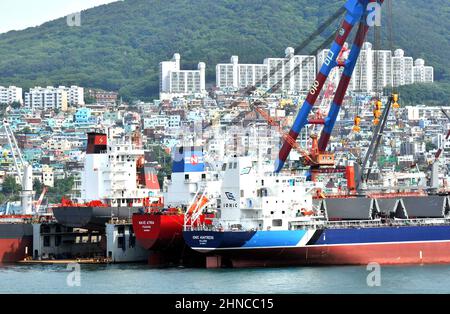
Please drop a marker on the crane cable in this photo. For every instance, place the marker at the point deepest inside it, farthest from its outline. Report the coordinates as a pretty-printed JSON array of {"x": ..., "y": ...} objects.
[{"x": 298, "y": 49}]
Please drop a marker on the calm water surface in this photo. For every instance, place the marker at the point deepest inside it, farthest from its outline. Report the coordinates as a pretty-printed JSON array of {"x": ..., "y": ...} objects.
[{"x": 132, "y": 278}]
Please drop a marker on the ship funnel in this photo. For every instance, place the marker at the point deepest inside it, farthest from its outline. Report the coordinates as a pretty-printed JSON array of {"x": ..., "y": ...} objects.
[{"x": 96, "y": 143}]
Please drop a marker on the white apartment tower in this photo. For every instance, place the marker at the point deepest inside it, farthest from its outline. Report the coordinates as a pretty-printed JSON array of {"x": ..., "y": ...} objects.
[
  {"x": 174, "y": 82},
  {"x": 377, "y": 69},
  {"x": 10, "y": 94},
  {"x": 48, "y": 98},
  {"x": 362, "y": 78},
  {"x": 295, "y": 73},
  {"x": 402, "y": 69},
  {"x": 422, "y": 73},
  {"x": 382, "y": 69},
  {"x": 54, "y": 97},
  {"x": 75, "y": 95}
]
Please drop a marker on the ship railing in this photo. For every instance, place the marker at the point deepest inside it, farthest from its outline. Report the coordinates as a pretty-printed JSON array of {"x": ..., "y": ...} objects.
[
  {"x": 371, "y": 223},
  {"x": 317, "y": 224}
]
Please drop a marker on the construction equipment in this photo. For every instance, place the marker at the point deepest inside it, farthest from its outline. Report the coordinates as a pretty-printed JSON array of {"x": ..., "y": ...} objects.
[
  {"x": 395, "y": 105},
  {"x": 37, "y": 206},
  {"x": 356, "y": 11},
  {"x": 357, "y": 122},
  {"x": 377, "y": 112},
  {"x": 375, "y": 142},
  {"x": 23, "y": 170},
  {"x": 305, "y": 154}
]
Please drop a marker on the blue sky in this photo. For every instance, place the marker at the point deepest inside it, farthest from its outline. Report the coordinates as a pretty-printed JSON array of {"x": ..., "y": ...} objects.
[{"x": 20, "y": 14}]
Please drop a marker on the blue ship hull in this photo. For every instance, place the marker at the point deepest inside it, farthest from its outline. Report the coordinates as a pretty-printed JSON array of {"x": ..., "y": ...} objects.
[{"x": 384, "y": 245}]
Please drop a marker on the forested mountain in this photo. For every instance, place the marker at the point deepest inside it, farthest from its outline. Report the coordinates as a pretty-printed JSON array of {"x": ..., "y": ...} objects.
[{"x": 118, "y": 46}]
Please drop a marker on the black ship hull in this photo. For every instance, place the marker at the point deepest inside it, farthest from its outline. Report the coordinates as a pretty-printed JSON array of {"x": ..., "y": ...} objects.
[{"x": 90, "y": 217}]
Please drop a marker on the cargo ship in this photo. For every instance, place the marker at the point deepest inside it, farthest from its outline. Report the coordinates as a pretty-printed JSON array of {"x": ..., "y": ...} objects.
[
  {"x": 189, "y": 193},
  {"x": 278, "y": 220},
  {"x": 116, "y": 183}
]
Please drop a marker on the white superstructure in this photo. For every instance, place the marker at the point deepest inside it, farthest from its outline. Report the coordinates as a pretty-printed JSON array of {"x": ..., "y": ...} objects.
[
  {"x": 112, "y": 175},
  {"x": 253, "y": 197}
]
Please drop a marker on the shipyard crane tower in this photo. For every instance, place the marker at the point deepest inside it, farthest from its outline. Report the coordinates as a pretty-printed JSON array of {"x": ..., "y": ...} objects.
[
  {"x": 23, "y": 169},
  {"x": 434, "y": 178},
  {"x": 357, "y": 11}
]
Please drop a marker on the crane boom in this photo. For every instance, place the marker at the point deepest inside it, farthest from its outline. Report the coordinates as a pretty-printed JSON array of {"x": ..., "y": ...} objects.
[
  {"x": 283, "y": 134},
  {"x": 15, "y": 151},
  {"x": 374, "y": 144},
  {"x": 356, "y": 10},
  {"x": 23, "y": 169}
]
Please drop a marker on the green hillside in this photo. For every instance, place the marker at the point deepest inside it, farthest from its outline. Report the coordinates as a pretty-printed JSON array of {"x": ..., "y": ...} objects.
[{"x": 119, "y": 46}]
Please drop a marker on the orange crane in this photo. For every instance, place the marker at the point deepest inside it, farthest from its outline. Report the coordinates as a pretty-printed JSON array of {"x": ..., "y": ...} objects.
[{"x": 312, "y": 158}]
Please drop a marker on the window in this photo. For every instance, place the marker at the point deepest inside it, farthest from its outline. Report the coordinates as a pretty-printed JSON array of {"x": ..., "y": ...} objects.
[
  {"x": 132, "y": 241},
  {"x": 46, "y": 241},
  {"x": 58, "y": 240},
  {"x": 277, "y": 223},
  {"x": 121, "y": 242}
]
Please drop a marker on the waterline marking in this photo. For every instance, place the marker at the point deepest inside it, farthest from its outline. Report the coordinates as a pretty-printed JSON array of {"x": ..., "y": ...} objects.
[
  {"x": 74, "y": 278},
  {"x": 374, "y": 277}
]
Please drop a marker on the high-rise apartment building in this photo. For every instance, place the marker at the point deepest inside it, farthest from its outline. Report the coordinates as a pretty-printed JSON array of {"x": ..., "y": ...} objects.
[
  {"x": 422, "y": 73},
  {"x": 377, "y": 69},
  {"x": 292, "y": 74},
  {"x": 174, "y": 82},
  {"x": 54, "y": 97},
  {"x": 11, "y": 94}
]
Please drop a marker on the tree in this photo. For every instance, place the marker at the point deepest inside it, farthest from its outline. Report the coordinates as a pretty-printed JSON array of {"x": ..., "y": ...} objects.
[
  {"x": 429, "y": 146},
  {"x": 88, "y": 99},
  {"x": 10, "y": 185},
  {"x": 16, "y": 105},
  {"x": 25, "y": 130},
  {"x": 211, "y": 31},
  {"x": 159, "y": 155},
  {"x": 37, "y": 186},
  {"x": 10, "y": 188},
  {"x": 62, "y": 187}
]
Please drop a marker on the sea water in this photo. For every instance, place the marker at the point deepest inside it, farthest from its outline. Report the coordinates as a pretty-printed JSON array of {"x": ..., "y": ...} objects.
[{"x": 140, "y": 278}]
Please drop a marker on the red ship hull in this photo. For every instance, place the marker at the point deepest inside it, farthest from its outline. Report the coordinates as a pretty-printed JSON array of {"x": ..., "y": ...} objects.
[
  {"x": 162, "y": 235},
  {"x": 14, "y": 250},
  {"x": 384, "y": 254},
  {"x": 159, "y": 232},
  {"x": 16, "y": 241}
]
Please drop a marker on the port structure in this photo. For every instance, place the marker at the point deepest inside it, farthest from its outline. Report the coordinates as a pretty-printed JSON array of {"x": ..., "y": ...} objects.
[{"x": 356, "y": 12}]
